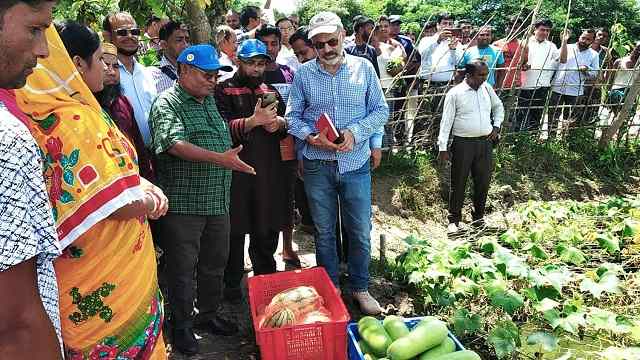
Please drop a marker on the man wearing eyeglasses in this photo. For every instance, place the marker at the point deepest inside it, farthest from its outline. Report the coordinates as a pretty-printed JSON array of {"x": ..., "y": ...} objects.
[
  {"x": 195, "y": 159},
  {"x": 347, "y": 89},
  {"x": 137, "y": 81}
]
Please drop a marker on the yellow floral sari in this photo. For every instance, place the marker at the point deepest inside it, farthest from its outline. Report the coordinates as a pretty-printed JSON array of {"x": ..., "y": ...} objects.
[{"x": 110, "y": 304}]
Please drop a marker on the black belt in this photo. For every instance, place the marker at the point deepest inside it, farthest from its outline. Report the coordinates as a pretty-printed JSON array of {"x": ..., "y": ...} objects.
[{"x": 471, "y": 138}]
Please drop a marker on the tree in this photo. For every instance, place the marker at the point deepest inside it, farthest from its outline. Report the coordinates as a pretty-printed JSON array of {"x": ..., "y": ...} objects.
[{"x": 345, "y": 9}]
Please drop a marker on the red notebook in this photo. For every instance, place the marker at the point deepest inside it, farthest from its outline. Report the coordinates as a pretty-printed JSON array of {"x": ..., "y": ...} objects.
[{"x": 323, "y": 122}]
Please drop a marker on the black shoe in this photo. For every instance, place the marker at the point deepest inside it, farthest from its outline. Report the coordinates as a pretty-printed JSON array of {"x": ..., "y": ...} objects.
[
  {"x": 220, "y": 326},
  {"x": 233, "y": 295},
  {"x": 185, "y": 341}
]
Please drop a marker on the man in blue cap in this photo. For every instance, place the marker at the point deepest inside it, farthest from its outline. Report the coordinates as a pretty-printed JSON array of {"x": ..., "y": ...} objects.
[
  {"x": 261, "y": 205},
  {"x": 194, "y": 163}
]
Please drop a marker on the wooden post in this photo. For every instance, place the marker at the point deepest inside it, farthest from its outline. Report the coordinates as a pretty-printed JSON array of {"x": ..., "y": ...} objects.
[{"x": 383, "y": 251}]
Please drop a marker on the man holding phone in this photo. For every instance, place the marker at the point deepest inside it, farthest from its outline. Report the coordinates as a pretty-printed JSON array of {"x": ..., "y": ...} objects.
[{"x": 260, "y": 204}]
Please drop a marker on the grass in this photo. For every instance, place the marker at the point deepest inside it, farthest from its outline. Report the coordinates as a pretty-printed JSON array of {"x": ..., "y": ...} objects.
[{"x": 525, "y": 169}]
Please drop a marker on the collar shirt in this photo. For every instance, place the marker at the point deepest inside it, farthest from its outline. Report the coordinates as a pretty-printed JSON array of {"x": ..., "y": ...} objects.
[
  {"x": 27, "y": 228},
  {"x": 288, "y": 57},
  {"x": 352, "y": 98},
  {"x": 469, "y": 113},
  {"x": 164, "y": 75},
  {"x": 569, "y": 80},
  {"x": 140, "y": 88},
  {"x": 543, "y": 62},
  {"x": 193, "y": 188},
  {"x": 438, "y": 62},
  {"x": 226, "y": 61}
]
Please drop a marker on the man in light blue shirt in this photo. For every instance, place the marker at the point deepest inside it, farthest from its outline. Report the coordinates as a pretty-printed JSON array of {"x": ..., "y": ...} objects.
[
  {"x": 347, "y": 89},
  {"x": 488, "y": 53},
  {"x": 137, "y": 81}
]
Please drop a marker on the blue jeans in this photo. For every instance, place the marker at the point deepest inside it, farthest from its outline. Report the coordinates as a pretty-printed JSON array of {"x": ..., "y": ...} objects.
[{"x": 324, "y": 185}]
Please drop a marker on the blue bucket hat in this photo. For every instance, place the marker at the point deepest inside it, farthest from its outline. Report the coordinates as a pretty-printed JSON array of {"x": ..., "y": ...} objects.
[
  {"x": 204, "y": 57},
  {"x": 251, "y": 48}
]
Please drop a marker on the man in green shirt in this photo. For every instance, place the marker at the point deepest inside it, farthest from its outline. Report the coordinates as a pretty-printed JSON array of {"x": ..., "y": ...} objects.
[{"x": 194, "y": 164}]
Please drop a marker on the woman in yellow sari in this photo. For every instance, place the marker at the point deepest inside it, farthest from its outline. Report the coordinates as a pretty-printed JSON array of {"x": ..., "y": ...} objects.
[{"x": 110, "y": 303}]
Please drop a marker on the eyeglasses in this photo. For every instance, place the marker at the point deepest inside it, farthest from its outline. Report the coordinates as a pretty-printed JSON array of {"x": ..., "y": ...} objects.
[
  {"x": 288, "y": 28},
  {"x": 209, "y": 76},
  {"x": 125, "y": 32},
  {"x": 319, "y": 45}
]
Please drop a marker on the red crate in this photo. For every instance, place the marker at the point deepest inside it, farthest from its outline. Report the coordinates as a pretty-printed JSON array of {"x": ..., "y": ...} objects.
[{"x": 319, "y": 341}]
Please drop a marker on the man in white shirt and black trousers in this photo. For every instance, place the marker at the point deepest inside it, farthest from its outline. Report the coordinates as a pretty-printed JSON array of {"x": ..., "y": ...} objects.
[{"x": 472, "y": 115}]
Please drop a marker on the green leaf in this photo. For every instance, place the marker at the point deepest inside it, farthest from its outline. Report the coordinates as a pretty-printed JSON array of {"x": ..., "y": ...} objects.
[
  {"x": 571, "y": 322},
  {"x": 609, "y": 242},
  {"x": 466, "y": 323},
  {"x": 607, "y": 283},
  {"x": 510, "y": 237},
  {"x": 602, "y": 319},
  {"x": 504, "y": 338},
  {"x": 536, "y": 251},
  {"x": 557, "y": 277},
  {"x": 66, "y": 197},
  {"x": 509, "y": 301},
  {"x": 545, "y": 342},
  {"x": 73, "y": 158},
  {"x": 464, "y": 286},
  {"x": 68, "y": 177},
  {"x": 546, "y": 304},
  {"x": 570, "y": 254}
]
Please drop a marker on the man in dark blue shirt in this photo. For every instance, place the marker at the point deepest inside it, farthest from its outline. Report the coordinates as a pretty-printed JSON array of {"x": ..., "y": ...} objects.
[
  {"x": 362, "y": 29},
  {"x": 394, "y": 31}
]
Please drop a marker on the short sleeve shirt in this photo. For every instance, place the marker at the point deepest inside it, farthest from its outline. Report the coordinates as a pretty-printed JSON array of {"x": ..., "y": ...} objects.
[
  {"x": 27, "y": 228},
  {"x": 193, "y": 188},
  {"x": 490, "y": 55}
]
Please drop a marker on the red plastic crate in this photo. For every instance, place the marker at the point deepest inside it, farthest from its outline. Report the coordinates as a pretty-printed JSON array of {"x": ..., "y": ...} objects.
[{"x": 319, "y": 341}]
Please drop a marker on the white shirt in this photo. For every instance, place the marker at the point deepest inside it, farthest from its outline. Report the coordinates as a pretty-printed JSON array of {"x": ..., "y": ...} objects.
[
  {"x": 543, "y": 59},
  {"x": 387, "y": 53},
  {"x": 468, "y": 113},
  {"x": 569, "y": 80},
  {"x": 438, "y": 62},
  {"x": 140, "y": 88},
  {"x": 224, "y": 75},
  {"x": 288, "y": 57},
  {"x": 27, "y": 228}
]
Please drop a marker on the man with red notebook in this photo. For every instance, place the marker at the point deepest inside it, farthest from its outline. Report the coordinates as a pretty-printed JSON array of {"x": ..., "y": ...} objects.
[{"x": 346, "y": 88}]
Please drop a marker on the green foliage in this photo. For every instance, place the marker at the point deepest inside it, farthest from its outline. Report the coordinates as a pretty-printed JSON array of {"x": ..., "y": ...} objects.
[
  {"x": 90, "y": 12},
  {"x": 345, "y": 9},
  {"x": 490, "y": 286}
]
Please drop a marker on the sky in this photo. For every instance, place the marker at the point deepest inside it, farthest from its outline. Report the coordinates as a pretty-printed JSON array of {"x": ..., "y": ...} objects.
[{"x": 286, "y": 6}]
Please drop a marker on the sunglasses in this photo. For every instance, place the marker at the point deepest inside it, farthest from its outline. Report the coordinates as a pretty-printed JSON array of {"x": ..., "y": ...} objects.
[
  {"x": 319, "y": 45},
  {"x": 125, "y": 32}
]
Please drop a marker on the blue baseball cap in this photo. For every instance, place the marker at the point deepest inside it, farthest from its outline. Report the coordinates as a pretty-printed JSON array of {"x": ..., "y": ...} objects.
[
  {"x": 204, "y": 57},
  {"x": 251, "y": 48}
]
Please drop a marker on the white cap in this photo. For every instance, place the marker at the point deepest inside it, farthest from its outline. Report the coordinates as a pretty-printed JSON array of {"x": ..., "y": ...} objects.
[{"x": 324, "y": 22}]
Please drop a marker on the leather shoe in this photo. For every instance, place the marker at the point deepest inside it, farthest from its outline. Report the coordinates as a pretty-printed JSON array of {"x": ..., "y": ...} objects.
[
  {"x": 185, "y": 341},
  {"x": 220, "y": 326}
]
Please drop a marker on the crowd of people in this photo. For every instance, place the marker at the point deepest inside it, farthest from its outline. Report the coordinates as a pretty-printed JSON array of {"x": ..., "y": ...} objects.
[{"x": 103, "y": 159}]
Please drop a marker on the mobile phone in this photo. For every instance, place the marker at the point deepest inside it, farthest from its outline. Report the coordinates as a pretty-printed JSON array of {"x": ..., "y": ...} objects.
[{"x": 268, "y": 99}]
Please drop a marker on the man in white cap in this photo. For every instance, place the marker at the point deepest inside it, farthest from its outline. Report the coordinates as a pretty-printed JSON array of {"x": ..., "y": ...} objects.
[{"x": 346, "y": 88}]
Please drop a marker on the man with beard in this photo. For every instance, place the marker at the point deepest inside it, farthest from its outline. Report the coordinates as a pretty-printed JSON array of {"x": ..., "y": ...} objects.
[
  {"x": 357, "y": 109},
  {"x": 280, "y": 77},
  {"x": 193, "y": 146},
  {"x": 362, "y": 29},
  {"x": 577, "y": 63},
  {"x": 29, "y": 315},
  {"x": 137, "y": 81},
  {"x": 174, "y": 38},
  {"x": 259, "y": 204},
  {"x": 491, "y": 55},
  {"x": 119, "y": 108}
]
